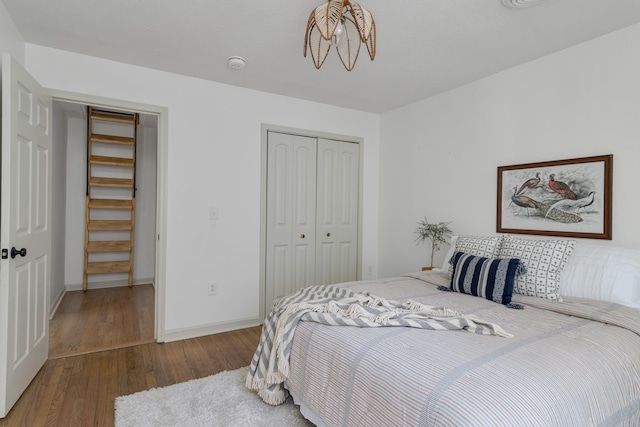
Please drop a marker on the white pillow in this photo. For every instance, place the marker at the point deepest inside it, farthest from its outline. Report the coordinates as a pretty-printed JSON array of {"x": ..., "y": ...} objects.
[
  {"x": 482, "y": 246},
  {"x": 604, "y": 273},
  {"x": 447, "y": 257},
  {"x": 544, "y": 260}
]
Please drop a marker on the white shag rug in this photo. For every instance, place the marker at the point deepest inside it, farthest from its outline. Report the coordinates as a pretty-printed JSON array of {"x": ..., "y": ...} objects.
[{"x": 218, "y": 400}]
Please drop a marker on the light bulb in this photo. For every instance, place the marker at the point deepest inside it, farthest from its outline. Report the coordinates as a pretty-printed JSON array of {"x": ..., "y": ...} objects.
[{"x": 338, "y": 32}]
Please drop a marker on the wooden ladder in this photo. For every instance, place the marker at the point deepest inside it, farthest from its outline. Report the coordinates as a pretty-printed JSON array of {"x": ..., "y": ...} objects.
[{"x": 111, "y": 193}]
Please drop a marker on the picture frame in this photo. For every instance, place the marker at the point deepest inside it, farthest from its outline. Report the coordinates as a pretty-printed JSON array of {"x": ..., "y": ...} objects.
[{"x": 567, "y": 198}]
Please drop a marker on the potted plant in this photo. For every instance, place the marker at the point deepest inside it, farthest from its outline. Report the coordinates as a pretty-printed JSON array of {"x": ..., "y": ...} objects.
[{"x": 438, "y": 233}]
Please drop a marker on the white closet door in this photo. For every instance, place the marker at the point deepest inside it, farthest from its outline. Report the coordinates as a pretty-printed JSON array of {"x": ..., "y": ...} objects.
[
  {"x": 291, "y": 215},
  {"x": 337, "y": 212}
]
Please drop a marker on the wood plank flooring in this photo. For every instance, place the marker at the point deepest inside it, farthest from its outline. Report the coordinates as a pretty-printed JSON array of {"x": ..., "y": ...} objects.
[
  {"x": 102, "y": 319},
  {"x": 80, "y": 390}
]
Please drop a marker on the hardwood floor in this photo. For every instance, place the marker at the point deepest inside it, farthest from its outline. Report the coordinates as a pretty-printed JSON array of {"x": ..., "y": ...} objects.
[
  {"x": 102, "y": 319},
  {"x": 80, "y": 390}
]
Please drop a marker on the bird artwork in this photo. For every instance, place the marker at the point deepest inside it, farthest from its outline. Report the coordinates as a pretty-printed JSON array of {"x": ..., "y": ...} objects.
[
  {"x": 522, "y": 201},
  {"x": 568, "y": 204},
  {"x": 561, "y": 188},
  {"x": 530, "y": 183},
  {"x": 544, "y": 209}
]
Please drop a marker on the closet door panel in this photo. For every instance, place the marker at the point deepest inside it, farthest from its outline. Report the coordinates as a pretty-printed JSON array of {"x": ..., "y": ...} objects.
[
  {"x": 348, "y": 194},
  {"x": 337, "y": 222},
  {"x": 304, "y": 211},
  {"x": 327, "y": 184},
  {"x": 290, "y": 252},
  {"x": 280, "y": 268},
  {"x": 324, "y": 264}
]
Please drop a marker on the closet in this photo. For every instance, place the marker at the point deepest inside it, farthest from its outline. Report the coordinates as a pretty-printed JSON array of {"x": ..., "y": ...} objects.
[
  {"x": 312, "y": 200},
  {"x": 69, "y": 204}
]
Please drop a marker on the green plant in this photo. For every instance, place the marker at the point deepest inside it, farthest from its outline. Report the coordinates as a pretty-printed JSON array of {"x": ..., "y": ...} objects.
[{"x": 438, "y": 233}]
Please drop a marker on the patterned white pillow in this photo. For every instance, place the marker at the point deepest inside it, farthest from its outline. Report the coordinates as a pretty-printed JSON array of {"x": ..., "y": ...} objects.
[
  {"x": 448, "y": 256},
  {"x": 482, "y": 246},
  {"x": 544, "y": 260}
]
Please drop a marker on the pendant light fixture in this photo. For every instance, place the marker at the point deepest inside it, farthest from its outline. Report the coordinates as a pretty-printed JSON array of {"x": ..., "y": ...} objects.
[
  {"x": 343, "y": 24},
  {"x": 516, "y": 4}
]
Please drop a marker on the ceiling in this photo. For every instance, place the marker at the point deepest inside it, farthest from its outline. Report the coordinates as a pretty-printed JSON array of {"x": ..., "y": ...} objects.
[{"x": 424, "y": 46}]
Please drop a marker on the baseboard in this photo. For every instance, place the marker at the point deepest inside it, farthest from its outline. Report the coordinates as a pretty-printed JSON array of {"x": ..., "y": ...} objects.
[
  {"x": 210, "y": 329},
  {"x": 110, "y": 284},
  {"x": 57, "y": 303}
]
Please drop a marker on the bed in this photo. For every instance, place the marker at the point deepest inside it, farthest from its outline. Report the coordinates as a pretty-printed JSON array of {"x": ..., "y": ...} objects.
[{"x": 569, "y": 361}]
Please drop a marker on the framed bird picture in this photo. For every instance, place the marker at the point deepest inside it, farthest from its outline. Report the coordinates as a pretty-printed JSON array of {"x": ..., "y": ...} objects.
[{"x": 568, "y": 198}]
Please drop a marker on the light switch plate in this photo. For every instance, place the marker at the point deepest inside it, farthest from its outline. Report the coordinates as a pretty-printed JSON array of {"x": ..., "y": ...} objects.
[{"x": 214, "y": 213}]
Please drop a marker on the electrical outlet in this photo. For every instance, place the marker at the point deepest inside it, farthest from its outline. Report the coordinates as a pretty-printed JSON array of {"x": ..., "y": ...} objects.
[{"x": 212, "y": 288}]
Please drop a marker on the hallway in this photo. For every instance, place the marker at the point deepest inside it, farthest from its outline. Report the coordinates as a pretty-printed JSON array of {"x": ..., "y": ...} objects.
[{"x": 102, "y": 319}]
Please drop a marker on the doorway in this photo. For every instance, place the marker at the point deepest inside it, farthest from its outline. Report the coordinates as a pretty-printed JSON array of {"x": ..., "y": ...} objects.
[
  {"x": 27, "y": 223},
  {"x": 139, "y": 305}
]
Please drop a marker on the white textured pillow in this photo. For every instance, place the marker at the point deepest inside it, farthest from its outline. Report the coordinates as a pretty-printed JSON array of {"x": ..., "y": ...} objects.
[
  {"x": 482, "y": 246},
  {"x": 448, "y": 256},
  {"x": 544, "y": 259},
  {"x": 604, "y": 273}
]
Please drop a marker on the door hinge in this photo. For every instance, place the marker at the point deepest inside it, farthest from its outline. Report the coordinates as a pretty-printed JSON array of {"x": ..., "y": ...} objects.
[{"x": 5, "y": 253}]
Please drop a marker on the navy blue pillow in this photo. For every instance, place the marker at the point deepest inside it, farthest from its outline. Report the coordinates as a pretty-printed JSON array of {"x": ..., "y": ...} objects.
[{"x": 490, "y": 278}]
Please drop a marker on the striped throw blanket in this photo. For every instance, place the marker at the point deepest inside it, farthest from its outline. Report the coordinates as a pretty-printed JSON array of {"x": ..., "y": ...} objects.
[{"x": 332, "y": 305}]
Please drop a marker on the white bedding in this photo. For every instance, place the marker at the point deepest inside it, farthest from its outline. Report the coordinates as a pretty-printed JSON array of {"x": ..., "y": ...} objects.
[
  {"x": 557, "y": 370},
  {"x": 603, "y": 273}
]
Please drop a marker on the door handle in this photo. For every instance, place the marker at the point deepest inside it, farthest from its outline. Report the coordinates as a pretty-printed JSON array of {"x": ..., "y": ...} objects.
[{"x": 15, "y": 252}]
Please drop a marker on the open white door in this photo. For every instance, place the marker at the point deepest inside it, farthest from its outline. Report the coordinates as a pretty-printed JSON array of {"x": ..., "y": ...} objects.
[{"x": 25, "y": 231}]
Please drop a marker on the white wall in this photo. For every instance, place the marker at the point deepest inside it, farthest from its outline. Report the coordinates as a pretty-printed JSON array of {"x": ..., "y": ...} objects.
[
  {"x": 58, "y": 205},
  {"x": 11, "y": 40},
  {"x": 145, "y": 232},
  {"x": 443, "y": 151},
  {"x": 75, "y": 201},
  {"x": 213, "y": 160}
]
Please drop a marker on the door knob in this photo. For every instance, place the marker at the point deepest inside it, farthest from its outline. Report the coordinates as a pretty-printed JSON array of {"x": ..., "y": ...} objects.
[
  {"x": 328, "y": 234},
  {"x": 302, "y": 236},
  {"x": 15, "y": 252}
]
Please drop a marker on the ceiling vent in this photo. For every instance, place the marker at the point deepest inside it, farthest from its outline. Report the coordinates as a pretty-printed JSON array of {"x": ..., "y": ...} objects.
[{"x": 518, "y": 4}]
